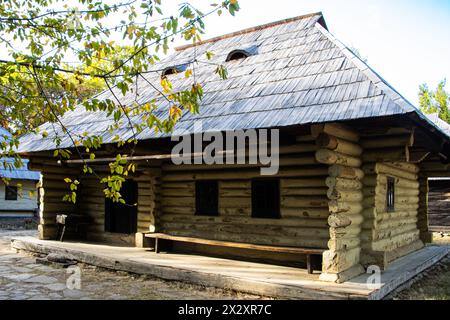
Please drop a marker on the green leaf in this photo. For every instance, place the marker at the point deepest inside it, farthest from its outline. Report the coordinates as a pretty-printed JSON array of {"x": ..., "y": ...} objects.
[
  {"x": 222, "y": 72},
  {"x": 54, "y": 64}
]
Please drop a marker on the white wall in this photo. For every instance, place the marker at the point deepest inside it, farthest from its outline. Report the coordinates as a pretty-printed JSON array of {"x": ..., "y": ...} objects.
[{"x": 25, "y": 201}]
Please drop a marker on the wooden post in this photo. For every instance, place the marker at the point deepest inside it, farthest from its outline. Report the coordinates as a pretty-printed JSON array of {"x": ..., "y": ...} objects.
[
  {"x": 339, "y": 149},
  {"x": 308, "y": 264},
  {"x": 422, "y": 214}
]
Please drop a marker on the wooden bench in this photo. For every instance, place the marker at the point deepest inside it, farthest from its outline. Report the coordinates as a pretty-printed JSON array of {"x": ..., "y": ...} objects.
[{"x": 305, "y": 251}]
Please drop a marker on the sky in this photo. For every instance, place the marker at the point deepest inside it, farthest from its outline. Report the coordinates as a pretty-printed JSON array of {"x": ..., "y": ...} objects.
[{"x": 406, "y": 42}]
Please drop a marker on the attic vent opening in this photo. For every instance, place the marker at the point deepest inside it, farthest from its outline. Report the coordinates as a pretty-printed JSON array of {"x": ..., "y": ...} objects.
[
  {"x": 173, "y": 70},
  {"x": 237, "y": 55},
  {"x": 242, "y": 53},
  {"x": 168, "y": 72}
]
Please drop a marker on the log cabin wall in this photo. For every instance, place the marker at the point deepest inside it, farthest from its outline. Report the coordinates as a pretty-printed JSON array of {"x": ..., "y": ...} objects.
[
  {"x": 341, "y": 152},
  {"x": 91, "y": 202},
  {"x": 390, "y": 230},
  {"x": 149, "y": 200},
  {"x": 439, "y": 204},
  {"x": 431, "y": 167},
  {"x": 332, "y": 196},
  {"x": 389, "y": 233},
  {"x": 53, "y": 190},
  {"x": 422, "y": 213},
  {"x": 303, "y": 202}
]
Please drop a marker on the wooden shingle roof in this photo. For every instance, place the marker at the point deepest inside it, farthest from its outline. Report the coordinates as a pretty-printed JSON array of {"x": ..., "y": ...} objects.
[
  {"x": 299, "y": 74},
  {"x": 444, "y": 126}
]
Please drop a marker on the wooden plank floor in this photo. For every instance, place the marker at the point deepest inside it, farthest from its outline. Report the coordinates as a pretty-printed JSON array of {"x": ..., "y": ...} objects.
[{"x": 256, "y": 278}]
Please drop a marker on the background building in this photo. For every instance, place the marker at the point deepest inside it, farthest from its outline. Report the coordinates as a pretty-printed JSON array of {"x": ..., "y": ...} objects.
[{"x": 18, "y": 189}]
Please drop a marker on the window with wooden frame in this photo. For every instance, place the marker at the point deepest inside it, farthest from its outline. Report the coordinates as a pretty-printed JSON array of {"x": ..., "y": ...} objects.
[
  {"x": 266, "y": 198},
  {"x": 390, "y": 194},
  {"x": 10, "y": 193},
  {"x": 207, "y": 198}
]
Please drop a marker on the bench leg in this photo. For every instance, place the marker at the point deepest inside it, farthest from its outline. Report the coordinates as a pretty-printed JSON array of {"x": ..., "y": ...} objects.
[
  {"x": 156, "y": 246},
  {"x": 58, "y": 232},
  {"x": 309, "y": 265},
  {"x": 62, "y": 233}
]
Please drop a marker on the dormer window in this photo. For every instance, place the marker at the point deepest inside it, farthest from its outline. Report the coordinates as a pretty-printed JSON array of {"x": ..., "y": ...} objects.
[
  {"x": 239, "y": 54},
  {"x": 173, "y": 70},
  {"x": 168, "y": 72}
]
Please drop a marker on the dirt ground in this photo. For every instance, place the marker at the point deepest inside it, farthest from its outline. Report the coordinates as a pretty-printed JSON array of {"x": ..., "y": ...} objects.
[{"x": 434, "y": 283}]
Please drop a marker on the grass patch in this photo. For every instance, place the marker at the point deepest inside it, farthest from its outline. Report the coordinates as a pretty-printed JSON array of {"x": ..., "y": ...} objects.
[{"x": 434, "y": 284}]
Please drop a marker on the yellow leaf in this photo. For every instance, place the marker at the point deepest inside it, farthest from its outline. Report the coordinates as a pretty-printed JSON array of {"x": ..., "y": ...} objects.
[
  {"x": 167, "y": 86},
  {"x": 174, "y": 112}
]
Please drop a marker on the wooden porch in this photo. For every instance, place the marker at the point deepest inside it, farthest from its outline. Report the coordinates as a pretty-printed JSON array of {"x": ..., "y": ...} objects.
[{"x": 256, "y": 278}]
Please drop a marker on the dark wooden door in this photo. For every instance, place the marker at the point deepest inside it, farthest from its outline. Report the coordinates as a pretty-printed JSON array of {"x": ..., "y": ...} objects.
[{"x": 122, "y": 218}]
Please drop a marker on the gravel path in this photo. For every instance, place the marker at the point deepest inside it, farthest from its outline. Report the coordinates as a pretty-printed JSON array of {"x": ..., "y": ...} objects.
[{"x": 22, "y": 278}]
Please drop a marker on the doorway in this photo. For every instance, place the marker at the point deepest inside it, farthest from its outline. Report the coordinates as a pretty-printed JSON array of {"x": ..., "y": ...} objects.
[{"x": 119, "y": 217}]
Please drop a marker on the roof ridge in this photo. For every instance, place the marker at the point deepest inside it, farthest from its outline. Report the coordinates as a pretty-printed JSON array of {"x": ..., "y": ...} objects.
[{"x": 251, "y": 29}]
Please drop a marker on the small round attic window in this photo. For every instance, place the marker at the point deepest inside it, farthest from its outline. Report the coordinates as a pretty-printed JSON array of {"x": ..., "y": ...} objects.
[{"x": 237, "y": 55}]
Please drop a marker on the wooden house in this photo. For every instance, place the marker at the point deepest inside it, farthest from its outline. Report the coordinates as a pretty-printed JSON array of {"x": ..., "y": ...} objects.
[
  {"x": 354, "y": 159},
  {"x": 439, "y": 204},
  {"x": 18, "y": 189},
  {"x": 438, "y": 200}
]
